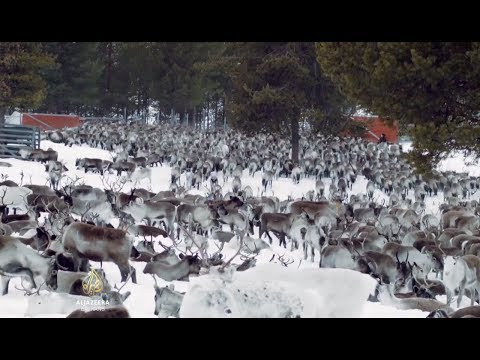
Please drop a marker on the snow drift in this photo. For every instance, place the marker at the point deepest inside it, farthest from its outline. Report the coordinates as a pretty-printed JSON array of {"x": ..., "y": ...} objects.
[{"x": 269, "y": 290}]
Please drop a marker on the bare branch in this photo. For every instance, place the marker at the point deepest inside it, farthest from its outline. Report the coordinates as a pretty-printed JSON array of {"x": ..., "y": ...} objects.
[
  {"x": 221, "y": 269},
  {"x": 128, "y": 278}
]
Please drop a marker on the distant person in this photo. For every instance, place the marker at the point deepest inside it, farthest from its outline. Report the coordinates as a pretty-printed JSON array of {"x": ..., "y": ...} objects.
[{"x": 382, "y": 139}]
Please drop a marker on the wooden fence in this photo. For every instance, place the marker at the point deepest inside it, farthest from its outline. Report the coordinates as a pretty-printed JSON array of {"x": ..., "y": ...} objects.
[{"x": 14, "y": 137}]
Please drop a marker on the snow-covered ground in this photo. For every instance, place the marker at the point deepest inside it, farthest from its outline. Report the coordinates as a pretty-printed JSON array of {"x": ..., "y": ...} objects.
[{"x": 316, "y": 292}]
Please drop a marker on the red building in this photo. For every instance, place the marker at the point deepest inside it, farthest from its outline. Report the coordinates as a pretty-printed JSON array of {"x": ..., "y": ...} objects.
[
  {"x": 376, "y": 127},
  {"x": 43, "y": 121}
]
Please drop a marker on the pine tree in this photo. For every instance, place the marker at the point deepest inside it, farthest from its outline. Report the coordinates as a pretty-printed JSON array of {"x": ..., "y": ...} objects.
[
  {"x": 274, "y": 86},
  {"x": 21, "y": 84},
  {"x": 432, "y": 86},
  {"x": 73, "y": 85}
]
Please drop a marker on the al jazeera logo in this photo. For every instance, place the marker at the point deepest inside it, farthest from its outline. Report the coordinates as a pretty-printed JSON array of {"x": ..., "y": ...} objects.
[{"x": 92, "y": 285}]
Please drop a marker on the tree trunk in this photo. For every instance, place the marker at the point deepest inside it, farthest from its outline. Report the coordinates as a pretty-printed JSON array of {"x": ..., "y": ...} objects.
[
  {"x": 108, "y": 69},
  {"x": 216, "y": 114},
  {"x": 2, "y": 115},
  {"x": 224, "y": 119},
  {"x": 295, "y": 139},
  {"x": 194, "y": 117}
]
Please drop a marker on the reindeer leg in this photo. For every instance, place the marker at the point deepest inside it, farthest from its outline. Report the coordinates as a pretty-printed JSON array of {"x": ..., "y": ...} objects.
[
  {"x": 124, "y": 270},
  {"x": 4, "y": 281},
  {"x": 269, "y": 237},
  {"x": 84, "y": 265},
  {"x": 460, "y": 295},
  {"x": 15, "y": 269},
  {"x": 282, "y": 240},
  {"x": 313, "y": 254},
  {"x": 134, "y": 274},
  {"x": 472, "y": 295}
]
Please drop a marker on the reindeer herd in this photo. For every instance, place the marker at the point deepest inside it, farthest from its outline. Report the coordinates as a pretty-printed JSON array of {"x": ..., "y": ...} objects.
[{"x": 50, "y": 234}]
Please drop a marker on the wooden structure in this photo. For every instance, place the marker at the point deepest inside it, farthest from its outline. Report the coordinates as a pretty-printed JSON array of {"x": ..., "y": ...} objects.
[
  {"x": 14, "y": 137},
  {"x": 376, "y": 127}
]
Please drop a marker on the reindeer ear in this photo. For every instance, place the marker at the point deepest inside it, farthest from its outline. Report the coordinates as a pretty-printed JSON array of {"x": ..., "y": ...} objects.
[{"x": 139, "y": 200}]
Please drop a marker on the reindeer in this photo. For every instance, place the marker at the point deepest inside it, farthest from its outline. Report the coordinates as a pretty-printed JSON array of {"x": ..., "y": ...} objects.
[
  {"x": 466, "y": 312},
  {"x": 167, "y": 256},
  {"x": 468, "y": 223},
  {"x": 386, "y": 269},
  {"x": 145, "y": 230},
  {"x": 464, "y": 274},
  {"x": 278, "y": 223},
  {"x": 387, "y": 297},
  {"x": 91, "y": 164},
  {"x": 315, "y": 238},
  {"x": 187, "y": 265},
  {"x": 236, "y": 185},
  {"x": 99, "y": 244},
  {"x": 150, "y": 210},
  {"x": 337, "y": 256},
  {"x": 39, "y": 241},
  {"x": 44, "y": 156},
  {"x": 423, "y": 286},
  {"x": 122, "y": 165},
  {"x": 41, "y": 190},
  {"x": 427, "y": 261},
  {"x": 48, "y": 203},
  {"x": 55, "y": 171},
  {"x": 167, "y": 301},
  {"x": 233, "y": 218},
  {"x": 120, "y": 199},
  {"x": 267, "y": 179},
  {"x": 17, "y": 259},
  {"x": 203, "y": 215}
]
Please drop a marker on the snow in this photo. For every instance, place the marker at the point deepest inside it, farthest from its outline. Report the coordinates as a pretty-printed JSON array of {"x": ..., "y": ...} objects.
[
  {"x": 268, "y": 290},
  {"x": 299, "y": 289}
]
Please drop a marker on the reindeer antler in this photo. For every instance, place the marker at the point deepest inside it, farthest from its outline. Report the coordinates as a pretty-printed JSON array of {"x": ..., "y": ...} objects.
[
  {"x": 27, "y": 291},
  {"x": 2, "y": 197},
  {"x": 115, "y": 186},
  {"x": 221, "y": 269},
  {"x": 283, "y": 261},
  {"x": 121, "y": 287}
]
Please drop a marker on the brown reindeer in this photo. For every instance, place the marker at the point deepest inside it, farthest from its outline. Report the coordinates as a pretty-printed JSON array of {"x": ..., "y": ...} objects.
[
  {"x": 90, "y": 164},
  {"x": 123, "y": 165},
  {"x": 187, "y": 265},
  {"x": 278, "y": 223},
  {"x": 99, "y": 244}
]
